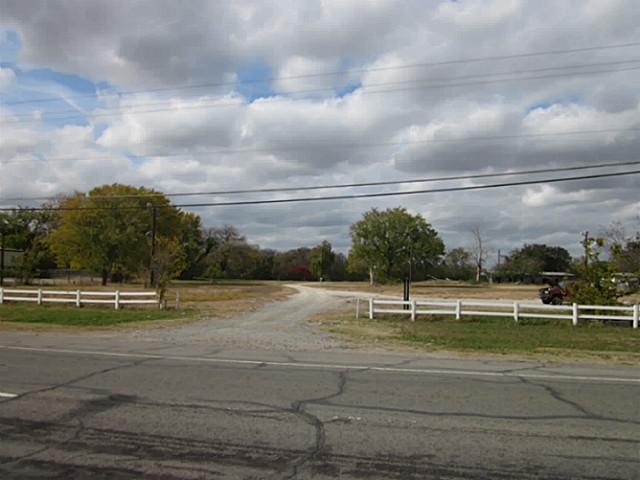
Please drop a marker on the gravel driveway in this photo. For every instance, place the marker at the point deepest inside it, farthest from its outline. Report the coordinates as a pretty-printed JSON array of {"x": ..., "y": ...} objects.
[{"x": 280, "y": 325}]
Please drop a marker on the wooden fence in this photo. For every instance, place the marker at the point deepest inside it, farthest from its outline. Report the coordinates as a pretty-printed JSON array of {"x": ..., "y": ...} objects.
[
  {"x": 516, "y": 310},
  {"x": 78, "y": 297}
]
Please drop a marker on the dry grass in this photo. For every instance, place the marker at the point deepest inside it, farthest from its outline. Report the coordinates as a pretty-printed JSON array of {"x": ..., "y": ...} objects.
[
  {"x": 225, "y": 298},
  {"x": 440, "y": 289}
]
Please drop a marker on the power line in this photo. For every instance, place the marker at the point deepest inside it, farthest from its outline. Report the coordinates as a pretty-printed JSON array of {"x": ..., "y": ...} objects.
[
  {"x": 341, "y": 72},
  {"x": 327, "y": 146},
  {"x": 284, "y": 96},
  {"x": 343, "y": 197},
  {"x": 382, "y": 84},
  {"x": 349, "y": 185}
]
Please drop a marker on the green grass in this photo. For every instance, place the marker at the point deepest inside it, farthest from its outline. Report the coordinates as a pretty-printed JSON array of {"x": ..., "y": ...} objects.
[
  {"x": 504, "y": 335},
  {"x": 494, "y": 335},
  {"x": 71, "y": 316}
]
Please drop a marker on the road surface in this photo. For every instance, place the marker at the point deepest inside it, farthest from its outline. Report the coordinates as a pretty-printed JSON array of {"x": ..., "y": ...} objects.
[{"x": 197, "y": 402}]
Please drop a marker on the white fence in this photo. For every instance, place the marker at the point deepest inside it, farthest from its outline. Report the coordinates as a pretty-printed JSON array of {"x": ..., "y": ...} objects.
[
  {"x": 78, "y": 297},
  {"x": 515, "y": 310}
]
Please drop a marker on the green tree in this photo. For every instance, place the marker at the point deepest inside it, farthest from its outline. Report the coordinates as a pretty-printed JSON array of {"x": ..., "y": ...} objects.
[
  {"x": 224, "y": 245},
  {"x": 111, "y": 231},
  {"x": 322, "y": 258},
  {"x": 28, "y": 231},
  {"x": 530, "y": 260},
  {"x": 595, "y": 284},
  {"x": 458, "y": 264},
  {"x": 390, "y": 242}
]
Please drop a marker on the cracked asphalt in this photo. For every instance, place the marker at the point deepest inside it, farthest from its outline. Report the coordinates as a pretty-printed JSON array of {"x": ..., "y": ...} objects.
[{"x": 265, "y": 397}]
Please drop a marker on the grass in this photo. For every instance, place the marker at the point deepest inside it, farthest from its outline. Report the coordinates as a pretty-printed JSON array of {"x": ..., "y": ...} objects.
[
  {"x": 439, "y": 289},
  {"x": 491, "y": 335},
  {"x": 92, "y": 317},
  {"x": 197, "y": 299}
]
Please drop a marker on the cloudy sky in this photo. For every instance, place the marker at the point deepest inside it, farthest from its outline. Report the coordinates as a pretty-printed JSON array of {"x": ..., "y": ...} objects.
[{"x": 211, "y": 96}]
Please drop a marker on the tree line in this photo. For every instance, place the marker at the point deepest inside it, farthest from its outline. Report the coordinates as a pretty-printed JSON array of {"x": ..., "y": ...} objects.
[{"x": 123, "y": 233}]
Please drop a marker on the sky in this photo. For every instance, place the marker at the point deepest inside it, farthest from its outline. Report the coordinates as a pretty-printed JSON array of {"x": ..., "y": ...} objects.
[{"x": 212, "y": 96}]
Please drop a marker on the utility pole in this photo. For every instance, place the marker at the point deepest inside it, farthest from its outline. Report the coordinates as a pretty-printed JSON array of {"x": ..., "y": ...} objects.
[
  {"x": 152, "y": 260},
  {"x": 585, "y": 243},
  {"x": 1, "y": 255}
]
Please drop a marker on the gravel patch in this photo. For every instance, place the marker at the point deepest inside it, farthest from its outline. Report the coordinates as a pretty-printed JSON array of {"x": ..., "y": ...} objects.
[{"x": 280, "y": 325}]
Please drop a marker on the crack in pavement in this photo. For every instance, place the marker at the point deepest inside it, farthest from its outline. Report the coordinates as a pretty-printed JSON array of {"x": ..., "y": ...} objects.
[
  {"x": 558, "y": 396},
  {"x": 298, "y": 408}
]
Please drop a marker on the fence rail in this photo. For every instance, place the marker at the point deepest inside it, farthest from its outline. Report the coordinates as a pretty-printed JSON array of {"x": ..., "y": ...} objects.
[
  {"x": 515, "y": 310},
  {"x": 78, "y": 297}
]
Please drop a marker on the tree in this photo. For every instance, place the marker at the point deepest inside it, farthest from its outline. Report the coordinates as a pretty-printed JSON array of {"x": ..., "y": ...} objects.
[
  {"x": 530, "y": 260},
  {"x": 322, "y": 258},
  {"x": 624, "y": 250},
  {"x": 113, "y": 229},
  {"x": 28, "y": 231},
  {"x": 480, "y": 252},
  {"x": 390, "y": 242},
  {"x": 293, "y": 264},
  {"x": 595, "y": 284},
  {"x": 458, "y": 264},
  {"x": 224, "y": 245}
]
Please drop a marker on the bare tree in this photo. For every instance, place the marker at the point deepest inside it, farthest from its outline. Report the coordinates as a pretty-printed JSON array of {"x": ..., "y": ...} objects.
[{"x": 480, "y": 251}]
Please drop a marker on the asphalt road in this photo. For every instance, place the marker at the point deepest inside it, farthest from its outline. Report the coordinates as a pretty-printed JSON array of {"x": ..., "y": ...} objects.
[{"x": 124, "y": 406}]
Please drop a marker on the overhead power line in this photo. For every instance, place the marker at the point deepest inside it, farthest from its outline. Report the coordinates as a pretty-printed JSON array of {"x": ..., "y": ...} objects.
[
  {"x": 509, "y": 73},
  {"x": 350, "y": 185},
  {"x": 348, "y": 197},
  {"x": 489, "y": 58},
  {"x": 285, "y": 95},
  {"x": 321, "y": 146}
]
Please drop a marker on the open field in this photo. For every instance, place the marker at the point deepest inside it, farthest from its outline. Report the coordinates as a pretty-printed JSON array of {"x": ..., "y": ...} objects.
[
  {"x": 548, "y": 338},
  {"x": 449, "y": 289},
  {"x": 439, "y": 289}
]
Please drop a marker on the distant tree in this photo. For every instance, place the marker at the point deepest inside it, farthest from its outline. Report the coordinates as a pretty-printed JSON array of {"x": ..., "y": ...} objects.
[
  {"x": 110, "y": 230},
  {"x": 530, "y": 260},
  {"x": 224, "y": 246},
  {"x": 338, "y": 272},
  {"x": 299, "y": 272},
  {"x": 322, "y": 258},
  {"x": 624, "y": 250},
  {"x": 298, "y": 258},
  {"x": 458, "y": 264},
  {"x": 480, "y": 252},
  {"x": 390, "y": 241}
]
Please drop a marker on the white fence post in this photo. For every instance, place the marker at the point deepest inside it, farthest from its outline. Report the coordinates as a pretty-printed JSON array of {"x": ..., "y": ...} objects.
[
  {"x": 357, "y": 307},
  {"x": 575, "y": 318},
  {"x": 1, "y": 295},
  {"x": 371, "y": 309},
  {"x": 177, "y": 299},
  {"x": 458, "y": 309},
  {"x": 117, "y": 301},
  {"x": 516, "y": 311},
  {"x": 78, "y": 301},
  {"x": 413, "y": 310},
  {"x": 39, "y": 296},
  {"x": 636, "y": 315}
]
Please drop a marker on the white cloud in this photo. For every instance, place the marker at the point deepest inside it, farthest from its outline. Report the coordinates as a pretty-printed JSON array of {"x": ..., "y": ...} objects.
[
  {"x": 7, "y": 78},
  {"x": 413, "y": 114}
]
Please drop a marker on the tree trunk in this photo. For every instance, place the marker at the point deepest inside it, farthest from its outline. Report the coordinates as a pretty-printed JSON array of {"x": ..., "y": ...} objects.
[
  {"x": 105, "y": 277},
  {"x": 371, "y": 277}
]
